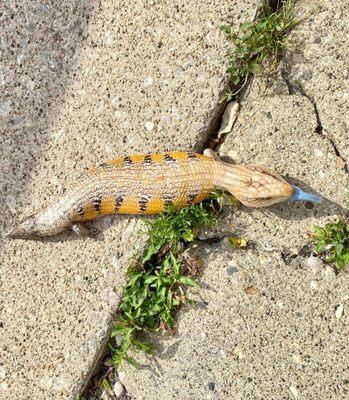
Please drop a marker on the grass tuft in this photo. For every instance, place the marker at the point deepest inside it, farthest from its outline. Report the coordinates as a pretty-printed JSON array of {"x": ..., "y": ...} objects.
[
  {"x": 157, "y": 282},
  {"x": 332, "y": 241},
  {"x": 257, "y": 45}
]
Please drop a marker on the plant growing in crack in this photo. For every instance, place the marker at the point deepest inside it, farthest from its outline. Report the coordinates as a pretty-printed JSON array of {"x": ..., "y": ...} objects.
[
  {"x": 257, "y": 45},
  {"x": 332, "y": 241},
  {"x": 157, "y": 281}
]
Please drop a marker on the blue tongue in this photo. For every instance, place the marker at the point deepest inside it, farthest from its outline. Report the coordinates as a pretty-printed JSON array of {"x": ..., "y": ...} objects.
[{"x": 300, "y": 195}]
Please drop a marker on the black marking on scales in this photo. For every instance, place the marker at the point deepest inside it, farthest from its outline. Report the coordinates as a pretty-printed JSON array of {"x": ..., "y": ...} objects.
[
  {"x": 106, "y": 166},
  {"x": 192, "y": 196},
  {"x": 168, "y": 158},
  {"x": 97, "y": 202},
  {"x": 128, "y": 161},
  {"x": 118, "y": 202},
  {"x": 192, "y": 155},
  {"x": 147, "y": 159},
  {"x": 80, "y": 210},
  {"x": 143, "y": 204}
]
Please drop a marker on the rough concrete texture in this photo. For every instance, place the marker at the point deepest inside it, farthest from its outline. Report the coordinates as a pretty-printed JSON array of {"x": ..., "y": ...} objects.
[
  {"x": 81, "y": 82},
  {"x": 279, "y": 131},
  {"x": 260, "y": 329},
  {"x": 298, "y": 125},
  {"x": 271, "y": 322},
  {"x": 317, "y": 63}
]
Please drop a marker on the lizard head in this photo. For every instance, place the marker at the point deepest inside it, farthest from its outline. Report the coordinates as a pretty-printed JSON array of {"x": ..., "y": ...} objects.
[{"x": 260, "y": 186}]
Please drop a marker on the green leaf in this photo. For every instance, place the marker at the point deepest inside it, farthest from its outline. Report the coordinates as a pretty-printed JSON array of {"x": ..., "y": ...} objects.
[
  {"x": 134, "y": 277},
  {"x": 235, "y": 79},
  {"x": 188, "y": 281},
  {"x": 175, "y": 265},
  {"x": 169, "y": 301},
  {"x": 245, "y": 26},
  {"x": 320, "y": 246},
  {"x": 107, "y": 386},
  {"x": 227, "y": 29},
  {"x": 131, "y": 361},
  {"x": 150, "y": 279},
  {"x": 339, "y": 248}
]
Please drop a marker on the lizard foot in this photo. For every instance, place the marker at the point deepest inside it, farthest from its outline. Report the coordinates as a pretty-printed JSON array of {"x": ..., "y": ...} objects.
[
  {"x": 82, "y": 230},
  {"x": 212, "y": 154}
]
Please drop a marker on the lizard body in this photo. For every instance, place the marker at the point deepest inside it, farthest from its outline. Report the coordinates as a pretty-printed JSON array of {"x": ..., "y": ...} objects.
[{"x": 146, "y": 183}]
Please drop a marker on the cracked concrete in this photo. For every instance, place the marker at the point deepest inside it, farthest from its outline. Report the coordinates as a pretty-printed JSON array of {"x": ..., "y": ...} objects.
[
  {"x": 318, "y": 62},
  {"x": 296, "y": 88},
  {"x": 259, "y": 329},
  {"x": 285, "y": 138},
  {"x": 81, "y": 82},
  {"x": 271, "y": 322}
]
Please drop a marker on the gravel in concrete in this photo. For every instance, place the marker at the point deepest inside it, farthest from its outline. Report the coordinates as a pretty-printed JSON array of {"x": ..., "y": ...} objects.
[
  {"x": 271, "y": 322},
  {"x": 318, "y": 64},
  {"x": 82, "y": 82},
  {"x": 260, "y": 329}
]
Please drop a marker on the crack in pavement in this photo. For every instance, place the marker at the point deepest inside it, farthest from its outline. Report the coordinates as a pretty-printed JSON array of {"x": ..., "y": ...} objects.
[{"x": 295, "y": 88}]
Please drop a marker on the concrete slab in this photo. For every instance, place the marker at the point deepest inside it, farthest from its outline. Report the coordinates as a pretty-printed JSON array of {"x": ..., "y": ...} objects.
[
  {"x": 280, "y": 131},
  {"x": 318, "y": 63},
  {"x": 260, "y": 329},
  {"x": 266, "y": 325},
  {"x": 84, "y": 82}
]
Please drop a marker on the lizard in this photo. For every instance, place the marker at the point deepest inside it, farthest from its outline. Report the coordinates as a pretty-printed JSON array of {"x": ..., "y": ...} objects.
[{"x": 146, "y": 183}]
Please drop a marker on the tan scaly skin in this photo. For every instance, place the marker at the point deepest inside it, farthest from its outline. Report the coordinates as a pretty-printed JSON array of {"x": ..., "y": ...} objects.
[{"x": 146, "y": 183}]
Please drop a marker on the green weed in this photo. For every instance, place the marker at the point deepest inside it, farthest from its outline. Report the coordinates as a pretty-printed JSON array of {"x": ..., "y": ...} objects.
[
  {"x": 156, "y": 283},
  {"x": 257, "y": 45},
  {"x": 332, "y": 241}
]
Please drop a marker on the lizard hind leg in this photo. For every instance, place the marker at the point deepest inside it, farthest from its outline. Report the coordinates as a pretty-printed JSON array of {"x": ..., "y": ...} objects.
[{"x": 82, "y": 230}]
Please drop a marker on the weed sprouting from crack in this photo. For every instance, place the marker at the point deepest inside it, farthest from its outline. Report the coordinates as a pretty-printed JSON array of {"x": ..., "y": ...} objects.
[
  {"x": 257, "y": 45},
  {"x": 332, "y": 241},
  {"x": 157, "y": 281}
]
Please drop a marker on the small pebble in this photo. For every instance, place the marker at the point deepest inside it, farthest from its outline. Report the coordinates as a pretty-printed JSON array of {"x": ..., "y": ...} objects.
[
  {"x": 294, "y": 391},
  {"x": 118, "y": 389},
  {"x": 231, "y": 270},
  {"x": 11, "y": 204},
  {"x": 313, "y": 262},
  {"x": 5, "y": 108},
  {"x": 250, "y": 290},
  {"x": 233, "y": 155},
  {"x": 149, "y": 126},
  {"x": 148, "y": 81},
  {"x": 318, "y": 153},
  {"x": 121, "y": 376},
  {"x": 340, "y": 163},
  {"x": 313, "y": 285},
  {"x": 339, "y": 311}
]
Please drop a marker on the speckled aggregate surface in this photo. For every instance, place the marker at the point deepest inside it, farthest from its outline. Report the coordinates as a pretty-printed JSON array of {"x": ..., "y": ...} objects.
[
  {"x": 286, "y": 140},
  {"x": 259, "y": 329},
  {"x": 272, "y": 322},
  {"x": 81, "y": 82},
  {"x": 318, "y": 64}
]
